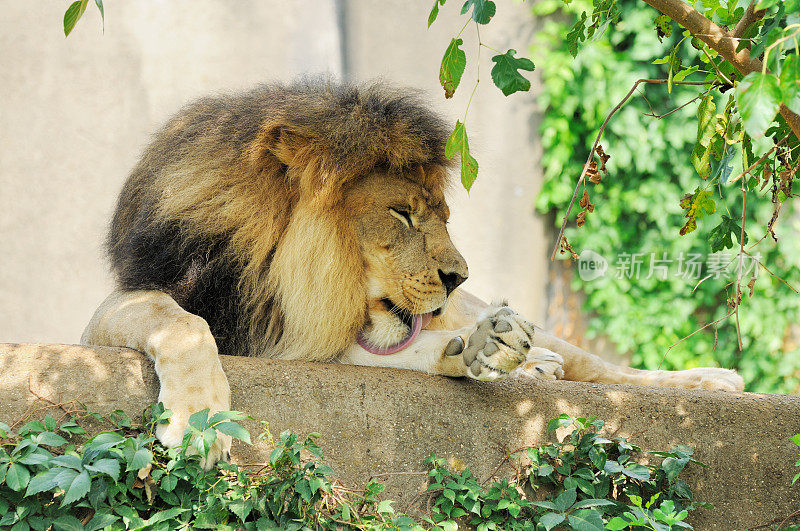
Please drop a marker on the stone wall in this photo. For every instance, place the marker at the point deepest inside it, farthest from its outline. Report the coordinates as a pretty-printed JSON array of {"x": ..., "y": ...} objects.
[{"x": 378, "y": 421}]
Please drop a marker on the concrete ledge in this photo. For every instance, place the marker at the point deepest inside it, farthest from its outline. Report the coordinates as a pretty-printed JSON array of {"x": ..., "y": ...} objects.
[{"x": 376, "y": 421}]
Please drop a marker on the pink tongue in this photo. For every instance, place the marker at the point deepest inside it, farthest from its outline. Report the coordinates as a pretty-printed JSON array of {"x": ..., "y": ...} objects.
[{"x": 418, "y": 322}]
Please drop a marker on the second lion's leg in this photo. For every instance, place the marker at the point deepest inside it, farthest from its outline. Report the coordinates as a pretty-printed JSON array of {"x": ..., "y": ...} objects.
[
  {"x": 184, "y": 352},
  {"x": 582, "y": 366}
]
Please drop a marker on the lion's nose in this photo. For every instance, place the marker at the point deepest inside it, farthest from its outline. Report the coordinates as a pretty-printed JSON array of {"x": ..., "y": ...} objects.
[{"x": 451, "y": 281}]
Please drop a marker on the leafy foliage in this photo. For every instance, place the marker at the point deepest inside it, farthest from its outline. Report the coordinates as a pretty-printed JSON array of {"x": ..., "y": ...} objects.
[
  {"x": 666, "y": 179},
  {"x": 76, "y": 10},
  {"x": 51, "y": 476},
  {"x": 506, "y": 76},
  {"x": 591, "y": 483}
]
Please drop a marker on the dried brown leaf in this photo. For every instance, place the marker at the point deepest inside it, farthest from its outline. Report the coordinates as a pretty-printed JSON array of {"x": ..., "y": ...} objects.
[{"x": 585, "y": 199}]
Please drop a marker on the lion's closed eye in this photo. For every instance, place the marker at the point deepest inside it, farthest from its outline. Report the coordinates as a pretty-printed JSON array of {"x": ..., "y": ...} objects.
[{"x": 404, "y": 216}]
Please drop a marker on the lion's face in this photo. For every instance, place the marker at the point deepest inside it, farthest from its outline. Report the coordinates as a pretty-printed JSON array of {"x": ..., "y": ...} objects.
[{"x": 411, "y": 265}]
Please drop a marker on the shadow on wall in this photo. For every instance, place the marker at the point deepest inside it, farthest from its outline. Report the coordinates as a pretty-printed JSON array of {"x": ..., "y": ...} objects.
[{"x": 381, "y": 421}]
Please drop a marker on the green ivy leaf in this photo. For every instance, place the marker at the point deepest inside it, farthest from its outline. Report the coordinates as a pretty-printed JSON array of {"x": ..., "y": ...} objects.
[
  {"x": 790, "y": 82},
  {"x": 199, "y": 420},
  {"x": 758, "y": 97},
  {"x": 586, "y": 521},
  {"x": 721, "y": 235},
  {"x": 43, "y": 481},
  {"x": 226, "y": 415},
  {"x": 617, "y": 524},
  {"x": 550, "y": 520},
  {"x": 73, "y": 15},
  {"x": 141, "y": 458},
  {"x": 105, "y": 466},
  {"x": 100, "y": 521},
  {"x": 505, "y": 72},
  {"x": 576, "y": 35},
  {"x": 77, "y": 489},
  {"x": 458, "y": 143},
  {"x": 67, "y": 522},
  {"x": 17, "y": 477},
  {"x": 234, "y": 430},
  {"x": 99, "y": 4},
  {"x": 637, "y": 471},
  {"x": 565, "y": 500},
  {"x": 482, "y": 10},
  {"x": 50, "y": 439},
  {"x": 453, "y": 64}
]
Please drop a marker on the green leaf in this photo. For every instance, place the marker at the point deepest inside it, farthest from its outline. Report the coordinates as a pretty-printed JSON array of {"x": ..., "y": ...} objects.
[
  {"x": 482, "y": 10},
  {"x": 100, "y": 521},
  {"x": 458, "y": 143},
  {"x": 790, "y": 82},
  {"x": 68, "y": 460},
  {"x": 565, "y": 500},
  {"x": 550, "y": 520},
  {"x": 43, "y": 481},
  {"x": 105, "y": 440},
  {"x": 722, "y": 169},
  {"x": 434, "y": 11},
  {"x": 576, "y": 35},
  {"x": 583, "y": 504},
  {"x": 617, "y": 524},
  {"x": 78, "y": 488},
  {"x": 721, "y": 235},
  {"x": 225, "y": 415},
  {"x": 99, "y": 4},
  {"x": 234, "y": 430},
  {"x": 758, "y": 97},
  {"x": 453, "y": 64},
  {"x": 765, "y": 4},
  {"x": 140, "y": 459},
  {"x": 586, "y": 521},
  {"x": 17, "y": 476},
  {"x": 199, "y": 420},
  {"x": 105, "y": 466},
  {"x": 796, "y": 439},
  {"x": 67, "y": 522},
  {"x": 701, "y": 153},
  {"x": 50, "y": 439},
  {"x": 73, "y": 15},
  {"x": 637, "y": 471},
  {"x": 505, "y": 72}
]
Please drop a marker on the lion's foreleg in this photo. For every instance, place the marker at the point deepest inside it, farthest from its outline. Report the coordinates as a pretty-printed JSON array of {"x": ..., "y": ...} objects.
[
  {"x": 582, "y": 366},
  {"x": 487, "y": 350},
  {"x": 184, "y": 352}
]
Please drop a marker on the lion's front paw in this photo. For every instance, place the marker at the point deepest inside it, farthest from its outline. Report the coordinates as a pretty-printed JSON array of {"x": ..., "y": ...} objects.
[
  {"x": 497, "y": 345},
  {"x": 543, "y": 364},
  {"x": 185, "y": 398}
]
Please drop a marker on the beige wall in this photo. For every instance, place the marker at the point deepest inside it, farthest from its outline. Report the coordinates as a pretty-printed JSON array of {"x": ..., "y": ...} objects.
[{"x": 76, "y": 112}]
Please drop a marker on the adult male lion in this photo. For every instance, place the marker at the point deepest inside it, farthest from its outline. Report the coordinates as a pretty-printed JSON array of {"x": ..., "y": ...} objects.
[{"x": 308, "y": 222}]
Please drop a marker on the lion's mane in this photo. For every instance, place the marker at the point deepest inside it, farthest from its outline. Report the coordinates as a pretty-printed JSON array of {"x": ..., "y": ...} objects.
[{"x": 235, "y": 209}]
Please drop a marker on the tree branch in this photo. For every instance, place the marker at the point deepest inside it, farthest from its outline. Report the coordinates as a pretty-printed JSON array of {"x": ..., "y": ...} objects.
[
  {"x": 617, "y": 107},
  {"x": 750, "y": 16},
  {"x": 723, "y": 42}
]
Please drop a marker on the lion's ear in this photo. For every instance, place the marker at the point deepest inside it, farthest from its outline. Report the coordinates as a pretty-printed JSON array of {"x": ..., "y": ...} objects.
[{"x": 281, "y": 143}]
